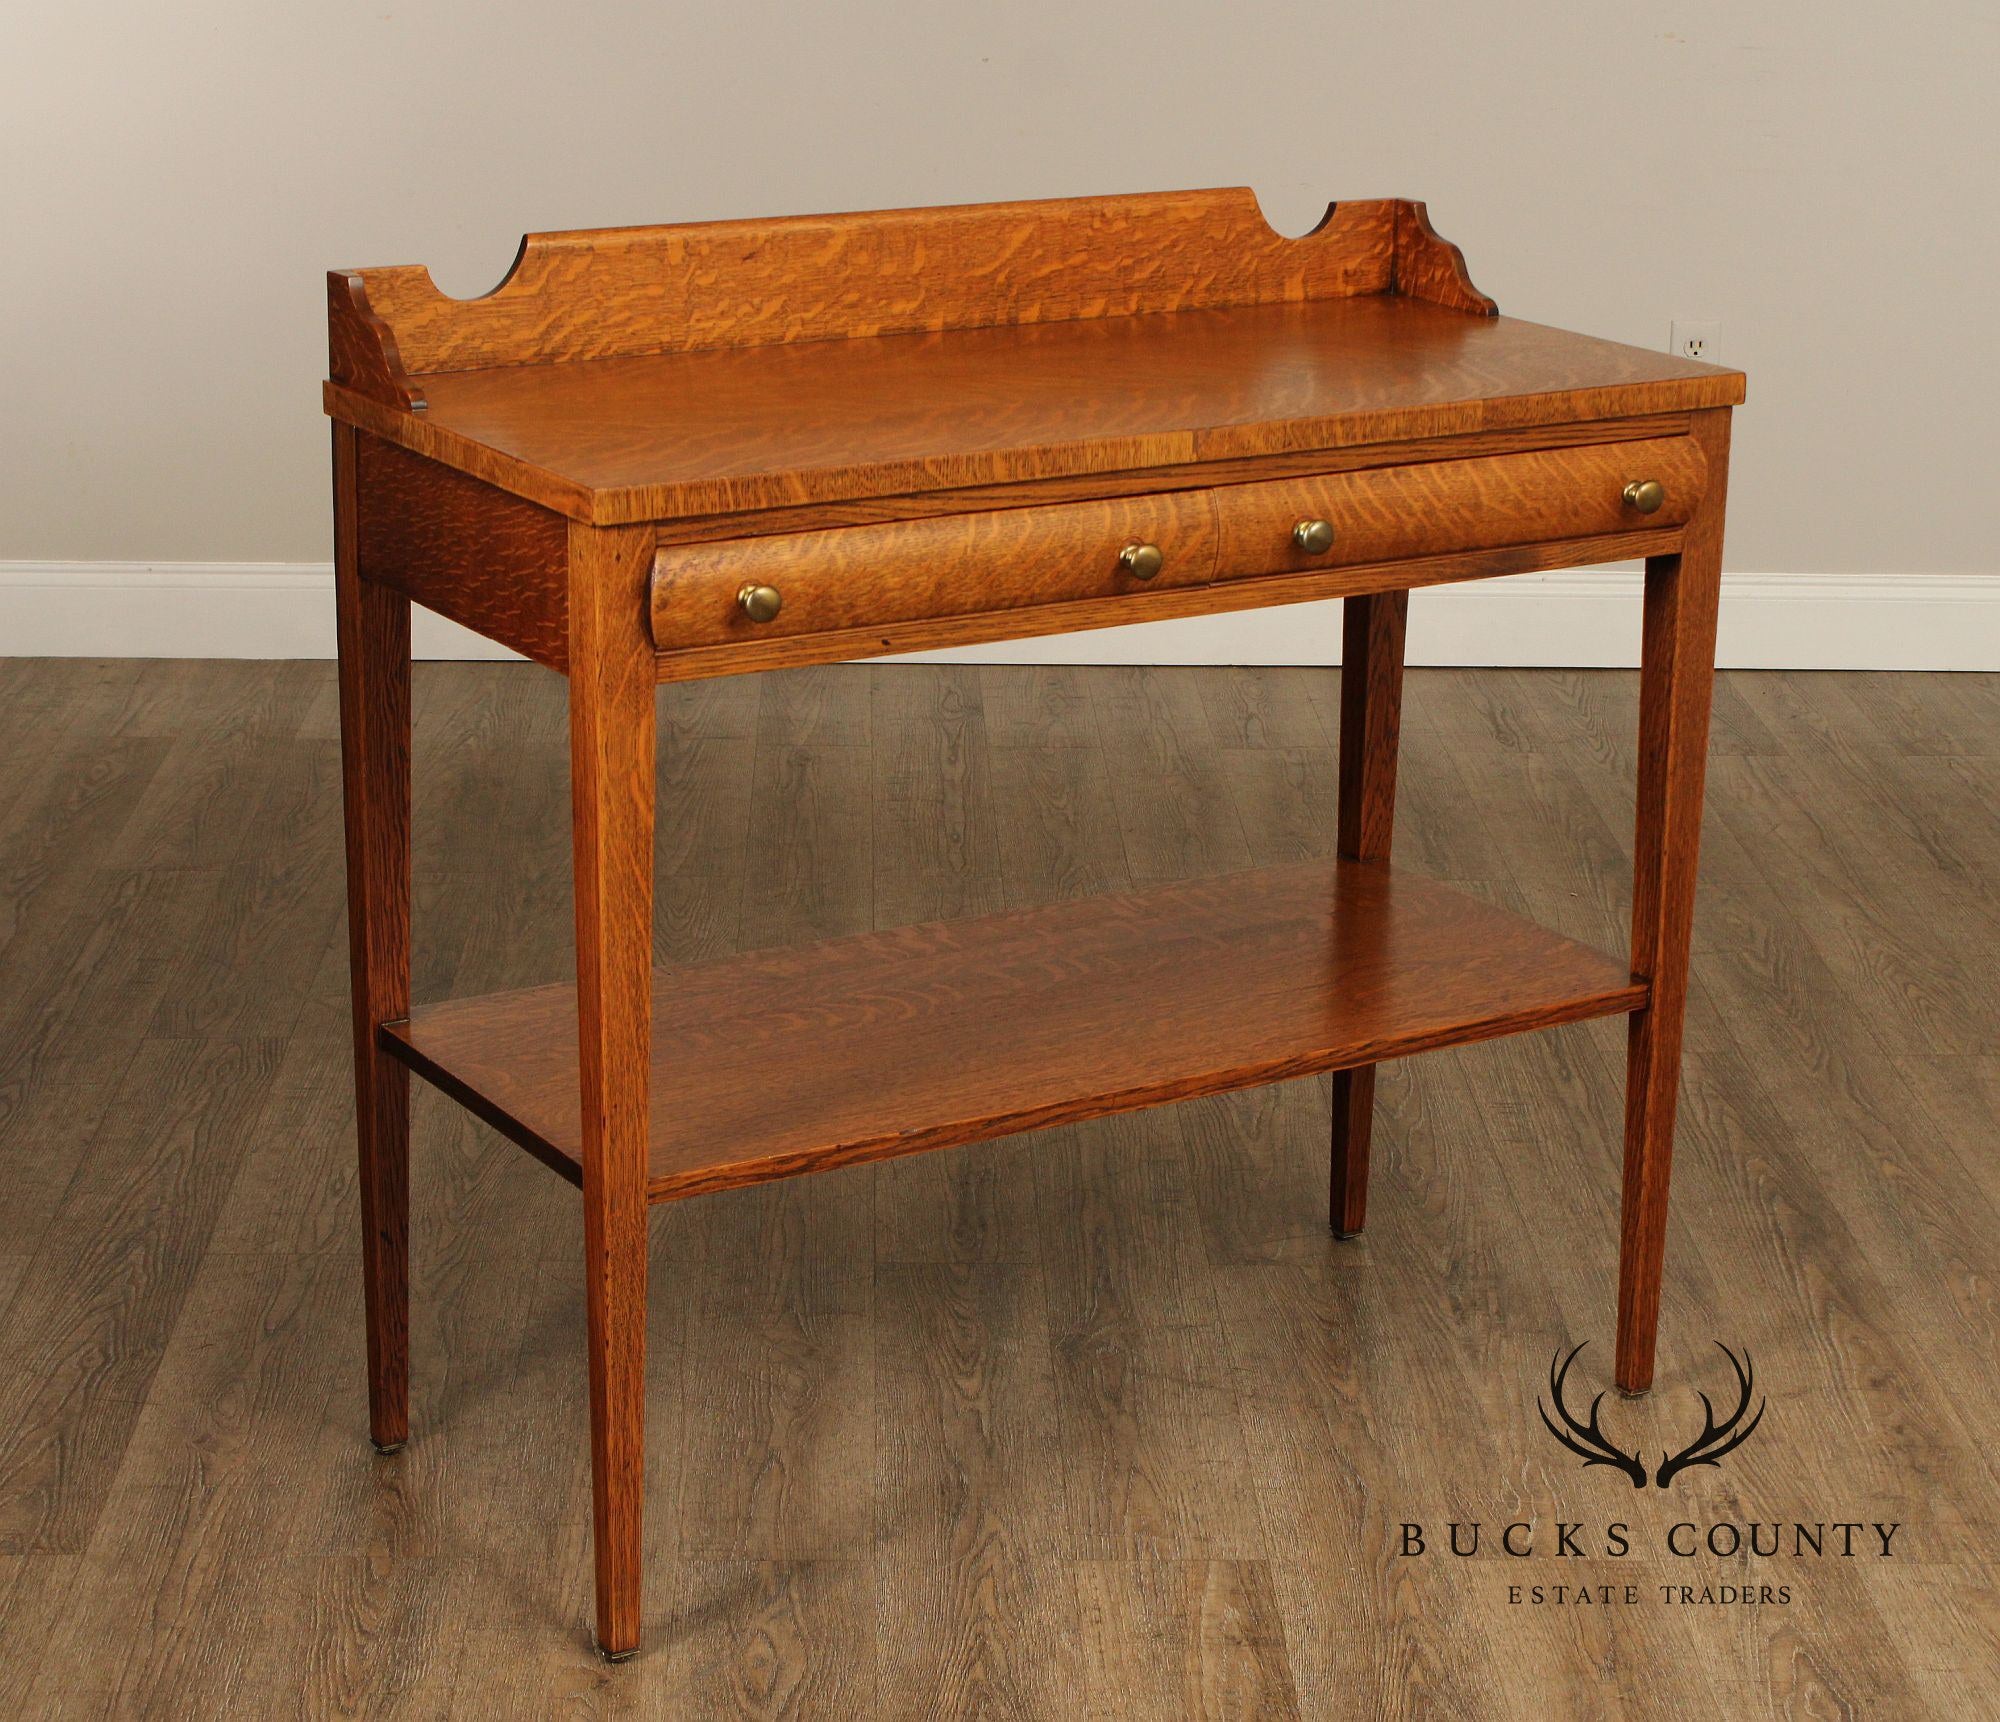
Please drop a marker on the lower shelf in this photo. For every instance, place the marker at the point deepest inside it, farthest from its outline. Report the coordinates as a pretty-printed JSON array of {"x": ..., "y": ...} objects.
[{"x": 783, "y": 1062}]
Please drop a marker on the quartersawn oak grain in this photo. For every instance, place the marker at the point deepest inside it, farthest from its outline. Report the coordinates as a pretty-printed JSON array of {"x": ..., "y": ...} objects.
[
  {"x": 1677, "y": 673},
  {"x": 361, "y": 348},
  {"x": 755, "y": 650},
  {"x": 1436, "y": 507},
  {"x": 1300, "y": 463},
  {"x": 915, "y": 570},
  {"x": 792, "y": 1061},
  {"x": 994, "y": 562},
  {"x": 659, "y": 437},
  {"x": 612, "y": 754},
  {"x": 373, "y": 623},
  {"x": 1092, "y": 360},
  {"x": 489, "y": 561},
  {"x": 748, "y": 283},
  {"x": 657, "y": 373},
  {"x": 1431, "y": 268}
]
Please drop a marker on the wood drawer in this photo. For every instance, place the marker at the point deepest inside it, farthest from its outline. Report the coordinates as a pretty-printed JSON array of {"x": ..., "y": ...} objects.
[
  {"x": 850, "y": 579},
  {"x": 953, "y": 565},
  {"x": 1390, "y": 513}
]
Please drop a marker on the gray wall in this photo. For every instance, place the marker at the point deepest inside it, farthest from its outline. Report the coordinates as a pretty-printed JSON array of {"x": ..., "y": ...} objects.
[{"x": 1820, "y": 178}]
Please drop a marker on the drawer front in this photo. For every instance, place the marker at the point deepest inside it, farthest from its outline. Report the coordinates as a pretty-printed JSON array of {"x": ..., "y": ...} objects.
[
  {"x": 857, "y": 577},
  {"x": 1390, "y": 513}
]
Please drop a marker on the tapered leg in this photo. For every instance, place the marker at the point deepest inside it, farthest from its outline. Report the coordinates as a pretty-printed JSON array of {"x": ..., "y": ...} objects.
[
  {"x": 1371, "y": 708},
  {"x": 374, "y": 638},
  {"x": 611, "y": 788},
  {"x": 1676, "y": 678}
]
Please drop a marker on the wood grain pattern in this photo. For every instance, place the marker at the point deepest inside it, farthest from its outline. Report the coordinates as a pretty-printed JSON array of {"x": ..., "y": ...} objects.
[
  {"x": 361, "y": 349},
  {"x": 415, "y": 432},
  {"x": 486, "y": 559},
  {"x": 920, "y": 570},
  {"x": 986, "y": 564},
  {"x": 374, "y": 632},
  {"x": 579, "y": 502},
  {"x": 1371, "y": 715},
  {"x": 799, "y": 1061},
  {"x": 190, "y": 1521},
  {"x": 1445, "y": 506},
  {"x": 1304, "y": 586},
  {"x": 1299, "y": 463},
  {"x": 658, "y": 373},
  {"x": 1431, "y": 268},
  {"x": 630, "y": 379},
  {"x": 1677, "y": 671},
  {"x": 698, "y": 285},
  {"x": 608, "y": 1036},
  {"x": 661, "y": 437}
]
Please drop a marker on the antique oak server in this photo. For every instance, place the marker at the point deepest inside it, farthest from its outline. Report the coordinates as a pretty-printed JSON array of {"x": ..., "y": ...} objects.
[{"x": 666, "y": 452}]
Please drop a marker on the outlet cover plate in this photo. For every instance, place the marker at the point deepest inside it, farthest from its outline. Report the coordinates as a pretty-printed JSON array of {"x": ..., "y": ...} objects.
[{"x": 1695, "y": 338}]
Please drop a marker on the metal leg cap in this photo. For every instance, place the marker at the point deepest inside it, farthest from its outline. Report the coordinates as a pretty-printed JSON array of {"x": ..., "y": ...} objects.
[
  {"x": 387, "y": 1448},
  {"x": 1633, "y": 1392},
  {"x": 614, "y": 1655},
  {"x": 1345, "y": 1237}
]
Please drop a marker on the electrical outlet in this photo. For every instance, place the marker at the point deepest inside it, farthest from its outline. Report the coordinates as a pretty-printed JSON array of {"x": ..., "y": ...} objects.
[{"x": 1687, "y": 339}]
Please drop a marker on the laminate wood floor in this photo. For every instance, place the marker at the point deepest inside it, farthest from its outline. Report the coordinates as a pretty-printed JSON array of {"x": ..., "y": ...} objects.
[{"x": 1095, "y": 1423}]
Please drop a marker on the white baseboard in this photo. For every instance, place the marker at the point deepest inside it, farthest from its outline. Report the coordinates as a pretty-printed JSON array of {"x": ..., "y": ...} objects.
[{"x": 1579, "y": 618}]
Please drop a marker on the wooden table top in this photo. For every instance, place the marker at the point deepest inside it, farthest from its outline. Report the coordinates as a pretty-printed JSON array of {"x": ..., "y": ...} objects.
[
  {"x": 770, "y": 426},
  {"x": 659, "y": 373}
]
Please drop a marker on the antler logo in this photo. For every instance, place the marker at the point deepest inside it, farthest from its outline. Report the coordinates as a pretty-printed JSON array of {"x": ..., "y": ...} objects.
[
  {"x": 1589, "y": 1442},
  {"x": 1586, "y": 1440}
]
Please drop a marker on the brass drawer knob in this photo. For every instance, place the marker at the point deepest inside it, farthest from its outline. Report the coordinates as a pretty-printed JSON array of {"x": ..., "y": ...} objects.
[
  {"x": 759, "y": 603},
  {"x": 1141, "y": 561},
  {"x": 1314, "y": 537},
  {"x": 1646, "y": 494}
]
